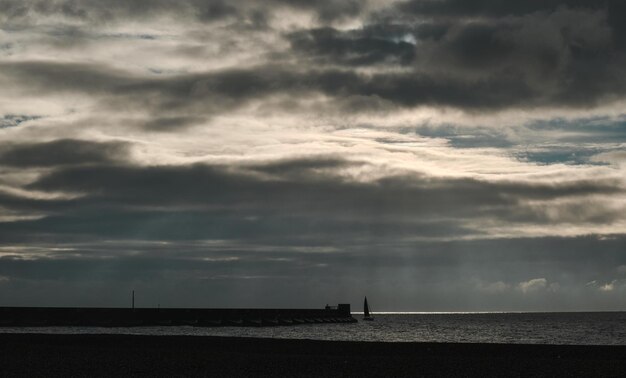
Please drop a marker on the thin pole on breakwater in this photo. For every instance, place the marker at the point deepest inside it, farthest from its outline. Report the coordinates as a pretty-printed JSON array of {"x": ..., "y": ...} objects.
[{"x": 133, "y": 299}]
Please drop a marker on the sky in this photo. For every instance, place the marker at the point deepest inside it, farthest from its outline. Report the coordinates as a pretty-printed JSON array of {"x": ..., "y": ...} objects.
[{"x": 434, "y": 155}]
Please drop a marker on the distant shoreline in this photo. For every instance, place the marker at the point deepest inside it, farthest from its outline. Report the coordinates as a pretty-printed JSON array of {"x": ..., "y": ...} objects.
[{"x": 129, "y": 355}]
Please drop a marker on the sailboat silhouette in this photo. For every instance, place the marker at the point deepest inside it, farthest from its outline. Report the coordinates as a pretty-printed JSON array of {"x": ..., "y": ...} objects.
[{"x": 366, "y": 311}]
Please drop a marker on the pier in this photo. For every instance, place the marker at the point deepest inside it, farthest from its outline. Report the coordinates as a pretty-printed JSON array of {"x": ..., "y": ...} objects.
[{"x": 128, "y": 317}]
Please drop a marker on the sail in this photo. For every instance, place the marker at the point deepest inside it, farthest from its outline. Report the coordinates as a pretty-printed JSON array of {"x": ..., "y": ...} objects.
[{"x": 366, "y": 309}]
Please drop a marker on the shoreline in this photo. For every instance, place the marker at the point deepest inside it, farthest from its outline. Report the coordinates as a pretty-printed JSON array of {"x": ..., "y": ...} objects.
[{"x": 33, "y": 354}]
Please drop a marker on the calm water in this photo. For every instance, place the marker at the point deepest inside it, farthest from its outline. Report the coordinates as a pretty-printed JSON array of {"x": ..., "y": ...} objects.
[{"x": 607, "y": 328}]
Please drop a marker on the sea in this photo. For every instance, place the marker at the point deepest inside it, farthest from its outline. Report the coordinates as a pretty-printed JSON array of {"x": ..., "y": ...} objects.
[{"x": 573, "y": 328}]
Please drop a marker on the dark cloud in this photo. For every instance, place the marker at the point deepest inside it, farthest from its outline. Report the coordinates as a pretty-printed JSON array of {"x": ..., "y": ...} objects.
[
  {"x": 202, "y": 10},
  {"x": 494, "y": 7},
  {"x": 216, "y": 10},
  {"x": 616, "y": 12},
  {"x": 515, "y": 80},
  {"x": 562, "y": 56},
  {"x": 305, "y": 168},
  {"x": 97, "y": 11},
  {"x": 542, "y": 54},
  {"x": 334, "y": 47},
  {"x": 425, "y": 30},
  {"x": 295, "y": 185},
  {"x": 416, "y": 89},
  {"x": 62, "y": 152},
  {"x": 219, "y": 92},
  {"x": 37, "y": 206},
  {"x": 51, "y": 77},
  {"x": 451, "y": 10},
  {"x": 209, "y": 93},
  {"x": 12, "y": 120},
  {"x": 299, "y": 201},
  {"x": 171, "y": 123}
]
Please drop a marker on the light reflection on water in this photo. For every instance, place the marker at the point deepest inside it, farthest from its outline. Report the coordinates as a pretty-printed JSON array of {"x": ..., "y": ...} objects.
[{"x": 533, "y": 328}]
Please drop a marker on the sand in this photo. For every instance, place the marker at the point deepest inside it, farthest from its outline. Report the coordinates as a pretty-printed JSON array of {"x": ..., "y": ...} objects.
[{"x": 39, "y": 355}]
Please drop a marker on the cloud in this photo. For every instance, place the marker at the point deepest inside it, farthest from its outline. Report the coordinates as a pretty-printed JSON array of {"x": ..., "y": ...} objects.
[
  {"x": 315, "y": 183},
  {"x": 62, "y": 152},
  {"x": 223, "y": 91},
  {"x": 495, "y": 8},
  {"x": 608, "y": 286},
  {"x": 524, "y": 57},
  {"x": 204, "y": 11},
  {"x": 295, "y": 201},
  {"x": 523, "y": 61},
  {"x": 440, "y": 153},
  {"x": 331, "y": 46},
  {"x": 12, "y": 120},
  {"x": 612, "y": 157},
  {"x": 171, "y": 123},
  {"x": 533, "y": 285}
]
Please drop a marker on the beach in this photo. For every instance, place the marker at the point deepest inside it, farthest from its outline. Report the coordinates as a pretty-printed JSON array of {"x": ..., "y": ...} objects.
[{"x": 43, "y": 355}]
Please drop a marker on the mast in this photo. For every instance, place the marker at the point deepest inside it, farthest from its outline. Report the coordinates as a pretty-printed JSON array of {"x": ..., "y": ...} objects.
[{"x": 366, "y": 309}]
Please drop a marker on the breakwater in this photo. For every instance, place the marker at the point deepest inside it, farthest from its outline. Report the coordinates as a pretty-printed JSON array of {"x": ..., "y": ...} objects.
[{"x": 127, "y": 317}]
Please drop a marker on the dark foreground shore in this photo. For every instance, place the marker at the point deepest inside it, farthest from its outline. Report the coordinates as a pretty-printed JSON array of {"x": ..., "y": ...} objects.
[{"x": 37, "y": 355}]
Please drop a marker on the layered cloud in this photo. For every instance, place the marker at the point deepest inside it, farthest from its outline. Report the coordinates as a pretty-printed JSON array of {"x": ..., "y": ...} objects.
[{"x": 445, "y": 155}]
